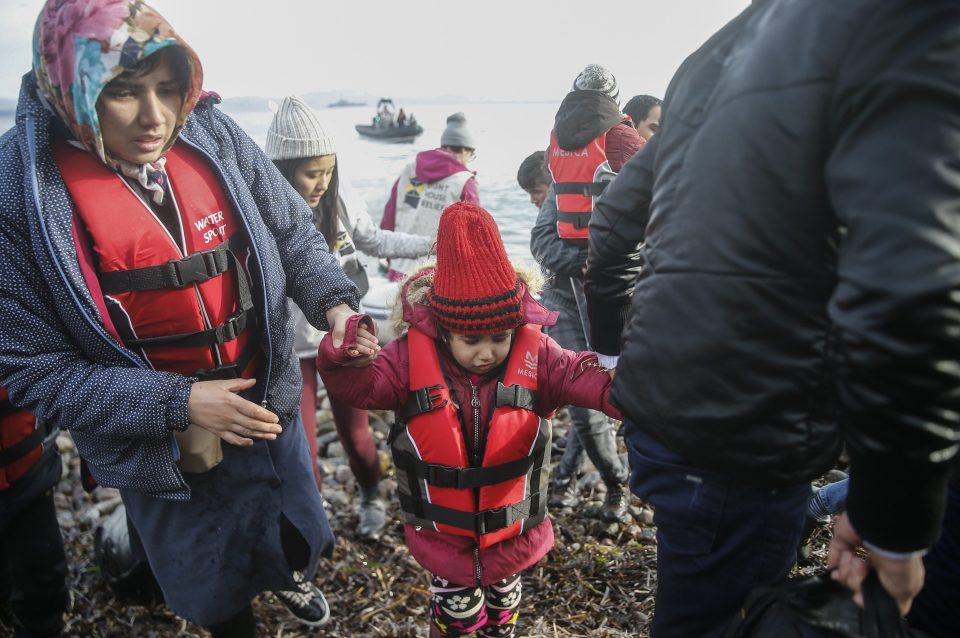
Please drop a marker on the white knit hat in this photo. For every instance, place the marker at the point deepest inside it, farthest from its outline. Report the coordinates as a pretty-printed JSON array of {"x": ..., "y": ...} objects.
[
  {"x": 595, "y": 77},
  {"x": 296, "y": 132}
]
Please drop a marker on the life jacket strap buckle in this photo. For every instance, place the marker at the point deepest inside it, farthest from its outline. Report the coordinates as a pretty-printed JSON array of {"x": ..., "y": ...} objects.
[
  {"x": 444, "y": 476},
  {"x": 232, "y": 327},
  {"x": 199, "y": 267},
  {"x": 423, "y": 400},
  {"x": 516, "y": 396}
]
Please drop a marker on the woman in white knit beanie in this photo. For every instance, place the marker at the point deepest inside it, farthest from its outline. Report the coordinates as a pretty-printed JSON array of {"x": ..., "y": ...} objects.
[{"x": 305, "y": 154}]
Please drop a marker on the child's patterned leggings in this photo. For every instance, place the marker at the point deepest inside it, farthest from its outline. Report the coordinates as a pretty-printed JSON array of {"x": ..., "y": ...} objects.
[{"x": 490, "y": 611}]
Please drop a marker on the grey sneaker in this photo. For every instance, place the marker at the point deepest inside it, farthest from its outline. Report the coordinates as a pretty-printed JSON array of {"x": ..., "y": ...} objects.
[
  {"x": 373, "y": 517},
  {"x": 305, "y": 602},
  {"x": 564, "y": 492}
]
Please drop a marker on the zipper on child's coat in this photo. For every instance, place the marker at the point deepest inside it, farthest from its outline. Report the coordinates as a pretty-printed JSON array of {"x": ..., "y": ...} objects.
[{"x": 475, "y": 404}]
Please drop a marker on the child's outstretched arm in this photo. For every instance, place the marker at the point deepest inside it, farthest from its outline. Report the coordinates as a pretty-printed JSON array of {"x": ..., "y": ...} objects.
[
  {"x": 380, "y": 384},
  {"x": 572, "y": 378}
]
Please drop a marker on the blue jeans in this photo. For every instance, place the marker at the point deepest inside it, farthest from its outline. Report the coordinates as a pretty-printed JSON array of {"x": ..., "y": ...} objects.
[
  {"x": 717, "y": 537},
  {"x": 829, "y": 500}
]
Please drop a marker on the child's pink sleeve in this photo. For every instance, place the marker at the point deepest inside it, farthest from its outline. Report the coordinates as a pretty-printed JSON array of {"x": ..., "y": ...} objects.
[
  {"x": 572, "y": 378},
  {"x": 382, "y": 385}
]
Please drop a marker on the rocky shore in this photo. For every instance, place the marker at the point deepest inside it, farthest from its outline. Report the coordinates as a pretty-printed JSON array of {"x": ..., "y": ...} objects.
[{"x": 598, "y": 581}]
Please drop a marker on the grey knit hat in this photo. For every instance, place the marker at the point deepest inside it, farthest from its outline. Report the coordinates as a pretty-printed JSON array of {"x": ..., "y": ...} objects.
[
  {"x": 296, "y": 132},
  {"x": 595, "y": 77},
  {"x": 457, "y": 133}
]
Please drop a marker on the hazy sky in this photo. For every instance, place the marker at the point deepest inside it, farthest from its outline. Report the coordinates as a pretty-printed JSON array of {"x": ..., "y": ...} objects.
[{"x": 495, "y": 49}]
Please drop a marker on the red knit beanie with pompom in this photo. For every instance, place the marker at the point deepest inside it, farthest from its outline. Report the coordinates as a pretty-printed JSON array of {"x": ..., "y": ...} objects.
[{"x": 475, "y": 289}]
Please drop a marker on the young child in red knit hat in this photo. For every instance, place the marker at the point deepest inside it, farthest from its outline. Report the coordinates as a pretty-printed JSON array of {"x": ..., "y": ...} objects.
[{"x": 473, "y": 382}]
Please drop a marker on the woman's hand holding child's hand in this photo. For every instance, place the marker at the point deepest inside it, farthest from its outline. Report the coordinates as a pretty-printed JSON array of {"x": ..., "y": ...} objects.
[
  {"x": 365, "y": 345},
  {"x": 366, "y": 348}
]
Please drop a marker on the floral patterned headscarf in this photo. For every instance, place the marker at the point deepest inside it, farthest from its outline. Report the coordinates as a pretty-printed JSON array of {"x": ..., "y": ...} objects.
[{"x": 79, "y": 46}]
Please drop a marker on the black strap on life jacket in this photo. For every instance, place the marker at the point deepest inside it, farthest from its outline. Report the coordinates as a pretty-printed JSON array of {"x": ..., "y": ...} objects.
[
  {"x": 21, "y": 448},
  {"x": 478, "y": 522},
  {"x": 577, "y": 220},
  {"x": 227, "y": 331},
  {"x": 587, "y": 189},
  {"x": 538, "y": 501},
  {"x": 421, "y": 401},
  {"x": 7, "y": 408},
  {"x": 460, "y": 477},
  {"x": 516, "y": 396},
  {"x": 233, "y": 370},
  {"x": 176, "y": 273}
]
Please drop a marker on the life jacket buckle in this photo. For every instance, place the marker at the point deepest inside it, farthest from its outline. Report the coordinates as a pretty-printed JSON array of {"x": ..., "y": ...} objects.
[
  {"x": 443, "y": 476},
  {"x": 232, "y": 327},
  {"x": 491, "y": 520},
  {"x": 198, "y": 267},
  {"x": 429, "y": 398}
]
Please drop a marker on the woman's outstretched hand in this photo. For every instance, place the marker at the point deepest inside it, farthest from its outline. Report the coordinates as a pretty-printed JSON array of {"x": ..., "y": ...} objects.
[{"x": 217, "y": 407}]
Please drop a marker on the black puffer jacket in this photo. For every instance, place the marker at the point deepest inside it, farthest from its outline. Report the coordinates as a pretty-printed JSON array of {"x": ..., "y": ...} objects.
[{"x": 801, "y": 271}]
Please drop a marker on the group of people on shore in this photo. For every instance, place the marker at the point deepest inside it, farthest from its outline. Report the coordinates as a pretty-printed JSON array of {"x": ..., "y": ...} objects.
[{"x": 749, "y": 275}]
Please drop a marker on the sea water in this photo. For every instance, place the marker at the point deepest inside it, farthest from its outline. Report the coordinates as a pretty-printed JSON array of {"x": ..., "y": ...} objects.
[{"x": 505, "y": 134}]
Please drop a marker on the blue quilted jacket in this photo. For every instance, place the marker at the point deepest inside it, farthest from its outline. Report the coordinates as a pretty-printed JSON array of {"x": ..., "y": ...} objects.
[{"x": 57, "y": 359}]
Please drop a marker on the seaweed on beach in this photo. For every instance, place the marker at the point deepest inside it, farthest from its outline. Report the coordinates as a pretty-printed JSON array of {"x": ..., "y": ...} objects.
[{"x": 598, "y": 581}]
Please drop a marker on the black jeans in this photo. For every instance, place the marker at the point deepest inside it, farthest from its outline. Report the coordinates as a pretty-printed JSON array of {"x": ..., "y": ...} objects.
[
  {"x": 935, "y": 609},
  {"x": 34, "y": 567}
]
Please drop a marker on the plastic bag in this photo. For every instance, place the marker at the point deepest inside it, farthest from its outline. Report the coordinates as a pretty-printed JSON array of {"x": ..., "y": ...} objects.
[{"x": 817, "y": 607}]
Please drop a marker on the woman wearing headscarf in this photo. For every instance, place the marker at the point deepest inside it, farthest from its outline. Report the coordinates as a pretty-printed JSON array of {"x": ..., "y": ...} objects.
[{"x": 148, "y": 248}]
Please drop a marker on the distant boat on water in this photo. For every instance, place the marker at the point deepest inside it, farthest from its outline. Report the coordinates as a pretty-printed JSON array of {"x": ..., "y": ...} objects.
[
  {"x": 345, "y": 102},
  {"x": 388, "y": 126}
]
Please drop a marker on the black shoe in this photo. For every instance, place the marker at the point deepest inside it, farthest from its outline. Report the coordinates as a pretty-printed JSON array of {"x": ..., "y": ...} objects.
[
  {"x": 615, "y": 505},
  {"x": 305, "y": 602},
  {"x": 563, "y": 493}
]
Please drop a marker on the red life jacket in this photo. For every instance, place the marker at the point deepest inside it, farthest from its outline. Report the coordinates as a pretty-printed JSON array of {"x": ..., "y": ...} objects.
[
  {"x": 21, "y": 442},
  {"x": 188, "y": 310},
  {"x": 578, "y": 177},
  {"x": 437, "y": 486}
]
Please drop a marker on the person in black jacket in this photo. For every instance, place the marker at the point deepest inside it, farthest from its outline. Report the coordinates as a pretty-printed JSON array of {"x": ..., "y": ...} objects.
[{"x": 795, "y": 220}]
